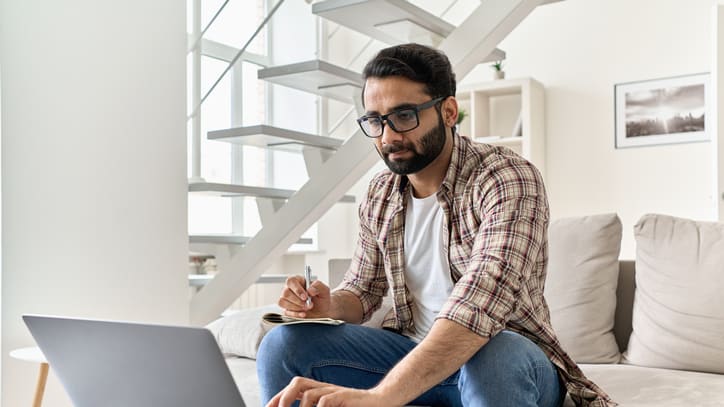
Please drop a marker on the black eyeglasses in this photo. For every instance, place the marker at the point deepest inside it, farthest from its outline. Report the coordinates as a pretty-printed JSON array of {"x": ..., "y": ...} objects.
[{"x": 400, "y": 120}]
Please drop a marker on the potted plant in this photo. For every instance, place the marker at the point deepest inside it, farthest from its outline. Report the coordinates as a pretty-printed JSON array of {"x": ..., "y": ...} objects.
[
  {"x": 461, "y": 116},
  {"x": 498, "y": 72}
]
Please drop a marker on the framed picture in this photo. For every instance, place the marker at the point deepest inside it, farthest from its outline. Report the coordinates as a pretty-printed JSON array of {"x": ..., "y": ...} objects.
[{"x": 662, "y": 111}]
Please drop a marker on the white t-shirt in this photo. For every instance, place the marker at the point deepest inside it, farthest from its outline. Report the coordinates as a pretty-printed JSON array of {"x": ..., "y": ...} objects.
[{"x": 427, "y": 271}]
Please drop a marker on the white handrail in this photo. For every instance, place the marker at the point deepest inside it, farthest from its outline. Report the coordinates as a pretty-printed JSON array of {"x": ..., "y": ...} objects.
[
  {"x": 334, "y": 31},
  {"x": 359, "y": 54},
  {"x": 341, "y": 120},
  {"x": 200, "y": 36},
  {"x": 448, "y": 8},
  {"x": 236, "y": 58}
]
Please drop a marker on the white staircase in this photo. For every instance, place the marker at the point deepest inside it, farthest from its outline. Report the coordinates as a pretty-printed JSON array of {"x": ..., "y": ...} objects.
[
  {"x": 232, "y": 190},
  {"x": 317, "y": 77},
  {"x": 392, "y": 22},
  {"x": 274, "y": 137},
  {"x": 333, "y": 165}
]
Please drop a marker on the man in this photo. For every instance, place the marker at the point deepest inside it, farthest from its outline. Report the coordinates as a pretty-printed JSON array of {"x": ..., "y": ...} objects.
[{"x": 458, "y": 232}]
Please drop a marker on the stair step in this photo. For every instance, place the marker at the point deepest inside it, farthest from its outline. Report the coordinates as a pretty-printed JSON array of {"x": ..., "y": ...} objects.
[
  {"x": 318, "y": 77},
  {"x": 232, "y": 190},
  {"x": 200, "y": 280},
  {"x": 391, "y": 21},
  {"x": 232, "y": 239},
  {"x": 274, "y": 137}
]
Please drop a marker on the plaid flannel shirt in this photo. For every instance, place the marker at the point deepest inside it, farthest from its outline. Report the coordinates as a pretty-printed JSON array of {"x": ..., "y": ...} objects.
[{"x": 495, "y": 230}]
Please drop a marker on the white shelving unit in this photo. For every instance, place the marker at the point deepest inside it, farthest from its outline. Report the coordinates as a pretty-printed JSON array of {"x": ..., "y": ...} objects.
[{"x": 508, "y": 112}]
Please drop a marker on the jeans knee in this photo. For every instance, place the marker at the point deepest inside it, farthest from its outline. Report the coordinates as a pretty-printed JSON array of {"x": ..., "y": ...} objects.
[
  {"x": 283, "y": 342},
  {"x": 508, "y": 366},
  {"x": 507, "y": 356},
  {"x": 270, "y": 345}
]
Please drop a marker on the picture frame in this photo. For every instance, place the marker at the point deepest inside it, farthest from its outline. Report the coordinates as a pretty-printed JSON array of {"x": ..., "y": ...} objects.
[{"x": 662, "y": 111}]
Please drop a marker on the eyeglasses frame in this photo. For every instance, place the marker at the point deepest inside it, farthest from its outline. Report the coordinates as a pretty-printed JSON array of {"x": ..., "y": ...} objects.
[{"x": 383, "y": 118}]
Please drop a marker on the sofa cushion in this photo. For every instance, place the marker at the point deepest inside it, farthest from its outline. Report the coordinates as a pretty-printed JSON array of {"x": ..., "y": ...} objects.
[
  {"x": 636, "y": 386},
  {"x": 581, "y": 285},
  {"x": 240, "y": 332},
  {"x": 678, "y": 316}
]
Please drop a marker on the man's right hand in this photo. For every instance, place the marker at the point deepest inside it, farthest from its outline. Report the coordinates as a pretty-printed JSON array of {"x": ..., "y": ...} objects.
[{"x": 294, "y": 299}]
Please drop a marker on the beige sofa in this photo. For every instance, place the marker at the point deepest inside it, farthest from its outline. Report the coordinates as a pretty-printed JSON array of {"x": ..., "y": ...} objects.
[
  {"x": 653, "y": 336},
  {"x": 650, "y": 332},
  {"x": 639, "y": 386}
]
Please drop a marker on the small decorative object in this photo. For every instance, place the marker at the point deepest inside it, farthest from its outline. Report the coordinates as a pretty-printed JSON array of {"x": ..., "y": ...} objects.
[
  {"x": 210, "y": 267},
  {"x": 662, "y": 111},
  {"x": 196, "y": 262},
  {"x": 498, "y": 72},
  {"x": 461, "y": 116}
]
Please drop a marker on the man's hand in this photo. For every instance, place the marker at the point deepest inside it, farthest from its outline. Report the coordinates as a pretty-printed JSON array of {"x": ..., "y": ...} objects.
[
  {"x": 294, "y": 299},
  {"x": 313, "y": 393}
]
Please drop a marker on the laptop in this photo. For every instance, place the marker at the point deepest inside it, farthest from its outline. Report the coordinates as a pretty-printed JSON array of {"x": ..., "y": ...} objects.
[{"x": 122, "y": 364}]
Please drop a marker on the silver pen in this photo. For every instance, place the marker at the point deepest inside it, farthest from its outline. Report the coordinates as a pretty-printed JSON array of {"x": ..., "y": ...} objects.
[{"x": 307, "y": 283}]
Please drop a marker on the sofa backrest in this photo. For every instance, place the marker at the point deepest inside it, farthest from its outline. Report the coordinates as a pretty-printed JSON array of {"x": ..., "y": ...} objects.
[
  {"x": 337, "y": 268},
  {"x": 624, "y": 295}
]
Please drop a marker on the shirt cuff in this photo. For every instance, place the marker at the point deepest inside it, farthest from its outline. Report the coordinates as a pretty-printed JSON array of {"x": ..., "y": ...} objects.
[
  {"x": 471, "y": 316},
  {"x": 370, "y": 303}
]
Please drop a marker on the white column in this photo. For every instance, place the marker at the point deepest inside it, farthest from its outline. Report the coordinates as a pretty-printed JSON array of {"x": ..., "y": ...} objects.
[
  {"x": 94, "y": 169},
  {"x": 1, "y": 221},
  {"x": 717, "y": 110},
  {"x": 196, "y": 95}
]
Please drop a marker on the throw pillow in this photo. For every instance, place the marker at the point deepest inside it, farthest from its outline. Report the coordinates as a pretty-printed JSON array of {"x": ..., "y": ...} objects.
[
  {"x": 581, "y": 285},
  {"x": 678, "y": 315},
  {"x": 241, "y": 332}
]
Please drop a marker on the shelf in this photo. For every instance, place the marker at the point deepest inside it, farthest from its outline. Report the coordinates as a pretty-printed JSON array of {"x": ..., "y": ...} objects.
[
  {"x": 500, "y": 87},
  {"x": 317, "y": 77},
  {"x": 274, "y": 137},
  {"x": 232, "y": 239},
  {"x": 233, "y": 190},
  {"x": 500, "y": 141},
  {"x": 506, "y": 112}
]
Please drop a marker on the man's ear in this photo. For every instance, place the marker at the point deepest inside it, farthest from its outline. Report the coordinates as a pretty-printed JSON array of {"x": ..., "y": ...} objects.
[{"x": 450, "y": 111}]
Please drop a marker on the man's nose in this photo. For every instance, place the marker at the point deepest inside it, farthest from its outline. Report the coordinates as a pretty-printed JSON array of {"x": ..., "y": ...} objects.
[{"x": 389, "y": 135}]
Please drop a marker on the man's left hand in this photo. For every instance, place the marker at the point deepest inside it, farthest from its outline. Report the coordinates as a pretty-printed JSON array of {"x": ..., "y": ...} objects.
[{"x": 313, "y": 393}]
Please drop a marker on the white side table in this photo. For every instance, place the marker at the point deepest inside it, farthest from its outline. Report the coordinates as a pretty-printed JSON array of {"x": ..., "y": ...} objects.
[{"x": 34, "y": 354}]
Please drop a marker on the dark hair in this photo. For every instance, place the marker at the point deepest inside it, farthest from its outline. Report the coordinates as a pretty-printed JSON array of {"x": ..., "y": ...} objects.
[{"x": 415, "y": 62}]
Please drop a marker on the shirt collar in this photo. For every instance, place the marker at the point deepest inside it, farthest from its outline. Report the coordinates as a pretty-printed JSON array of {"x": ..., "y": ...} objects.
[{"x": 456, "y": 163}]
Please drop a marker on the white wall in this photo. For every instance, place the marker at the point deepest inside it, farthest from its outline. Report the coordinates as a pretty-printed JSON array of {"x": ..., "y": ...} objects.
[
  {"x": 1, "y": 234},
  {"x": 93, "y": 166},
  {"x": 579, "y": 49}
]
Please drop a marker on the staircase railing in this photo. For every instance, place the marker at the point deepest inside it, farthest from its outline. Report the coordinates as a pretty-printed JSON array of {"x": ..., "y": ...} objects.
[
  {"x": 237, "y": 56},
  {"x": 198, "y": 38},
  {"x": 196, "y": 98}
]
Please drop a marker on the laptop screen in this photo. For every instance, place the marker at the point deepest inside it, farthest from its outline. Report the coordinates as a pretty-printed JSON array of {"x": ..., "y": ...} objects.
[{"x": 122, "y": 364}]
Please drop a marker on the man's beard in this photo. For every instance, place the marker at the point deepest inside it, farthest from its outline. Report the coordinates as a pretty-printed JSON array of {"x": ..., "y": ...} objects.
[{"x": 431, "y": 144}]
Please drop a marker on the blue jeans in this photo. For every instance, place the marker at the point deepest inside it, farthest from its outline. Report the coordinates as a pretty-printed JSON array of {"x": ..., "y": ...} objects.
[{"x": 509, "y": 370}]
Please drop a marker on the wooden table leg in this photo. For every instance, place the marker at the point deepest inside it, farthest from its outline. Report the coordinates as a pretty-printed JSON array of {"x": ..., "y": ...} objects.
[{"x": 40, "y": 388}]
